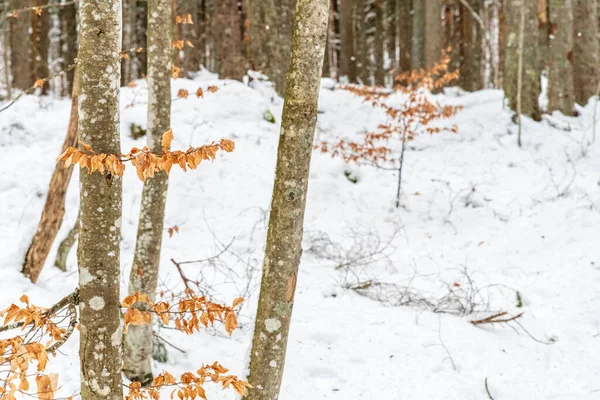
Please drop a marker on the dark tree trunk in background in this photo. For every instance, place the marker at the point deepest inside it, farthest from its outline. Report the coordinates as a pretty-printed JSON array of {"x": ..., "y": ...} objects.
[
  {"x": 433, "y": 35},
  {"x": 586, "y": 62},
  {"x": 405, "y": 34},
  {"x": 471, "y": 77},
  {"x": 362, "y": 42},
  {"x": 229, "y": 46},
  {"x": 544, "y": 34},
  {"x": 348, "y": 53},
  {"x": 40, "y": 43},
  {"x": 141, "y": 24},
  {"x": 452, "y": 35},
  {"x": 561, "y": 94},
  {"x": 191, "y": 61},
  {"x": 20, "y": 46},
  {"x": 531, "y": 85},
  {"x": 379, "y": 43},
  {"x": 128, "y": 41},
  {"x": 392, "y": 33},
  {"x": 418, "y": 35},
  {"x": 68, "y": 18}
]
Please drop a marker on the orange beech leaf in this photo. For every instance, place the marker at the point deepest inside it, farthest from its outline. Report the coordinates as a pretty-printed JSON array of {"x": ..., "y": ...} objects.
[
  {"x": 166, "y": 140},
  {"x": 199, "y": 92}
]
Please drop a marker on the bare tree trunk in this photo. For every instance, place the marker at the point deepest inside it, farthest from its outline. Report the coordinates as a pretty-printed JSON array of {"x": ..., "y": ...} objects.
[
  {"x": 128, "y": 43},
  {"x": 379, "y": 44},
  {"x": 144, "y": 272},
  {"x": 98, "y": 253},
  {"x": 54, "y": 209},
  {"x": 418, "y": 34},
  {"x": 362, "y": 42},
  {"x": 348, "y": 59},
  {"x": 68, "y": 16},
  {"x": 392, "y": 33},
  {"x": 586, "y": 63},
  {"x": 20, "y": 47},
  {"x": 561, "y": 95},
  {"x": 40, "y": 43},
  {"x": 433, "y": 34},
  {"x": 5, "y": 33},
  {"x": 66, "y": 245},
  {"x": 531, "y": 86},
  {"x": 471, "y": 77},
  {"x": 227, "y": 31},
  {"x": 284, "y": 239},
  {"x": 405, "y": 34}
]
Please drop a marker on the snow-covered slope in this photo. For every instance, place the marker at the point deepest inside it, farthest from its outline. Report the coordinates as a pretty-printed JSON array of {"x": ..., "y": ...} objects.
[{"x": 481, "y": 220}]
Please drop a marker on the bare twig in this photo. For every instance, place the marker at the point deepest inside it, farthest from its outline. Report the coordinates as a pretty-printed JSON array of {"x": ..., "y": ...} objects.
[
  {"x": 487, "y": 389},
  {"x": 496, "y": 319}
]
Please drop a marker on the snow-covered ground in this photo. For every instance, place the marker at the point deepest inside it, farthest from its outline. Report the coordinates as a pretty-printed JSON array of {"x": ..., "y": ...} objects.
[{"x": 481, "y": 220}]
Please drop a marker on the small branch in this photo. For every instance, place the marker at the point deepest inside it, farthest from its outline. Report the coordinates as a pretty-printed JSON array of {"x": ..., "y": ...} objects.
[
  {"x": 156, "y": 335},
  {"x": 487, "y": 389},
  {"x": 182, "y": 275},
  {"x": 496, "y": 318},
  {"x": 12, "y": 13}
]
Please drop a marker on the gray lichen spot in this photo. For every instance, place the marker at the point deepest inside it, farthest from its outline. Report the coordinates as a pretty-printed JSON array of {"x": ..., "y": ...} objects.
[{"x": 272, "y": 325}]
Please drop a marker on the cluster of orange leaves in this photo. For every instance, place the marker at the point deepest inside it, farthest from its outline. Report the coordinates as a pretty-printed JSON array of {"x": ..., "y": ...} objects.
[
  {"x": 179, "y": 44},
  {"x": 19, "y": 355},
  {"x": 183, "y": 93},
  {"x": 184, "y": 19},
  {"x": 190, "y": 385},
  {"x": 146, "y": 163},
  {"x": 188, "y": 314},
  {"x": 415, "y": 115}
]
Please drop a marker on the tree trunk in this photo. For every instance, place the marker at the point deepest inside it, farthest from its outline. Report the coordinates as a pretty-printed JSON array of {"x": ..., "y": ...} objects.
[
  {"x": 144, "y": 272},
  {"x": 20, "y": 60},
  {"x": 284, "y": 238},
  {"x": 270, "y": 28},
  {"x": 68, "y": 16},
  {"x": 471, "y": 77},
  {"x": 5, "y": 36},
  {"x": 433, "y": 35},
  {"x": 405, "y": 34},
  {"x": 65, "y": 246},
  {"x": 40, "y": 43},
  {"x": 452, "y": 37},
  {"x": 98, "y": 253},
  {"x": 379, "y": 44},
  {"x": 501, "y": 41},
  {"x": 141, "y": 22},
  {"x": 348, "y": 56},
  {"x": 561, "y": 95},
  {"x": 418, "y": 35},
  {"x": 54, "y": 209},
  {"x": 362, "y": 43},
  {"x": 227, "y": 31},
  {"x": 586, "y": 62},
  {"x": 392, "y": 33},
  {"x": 128, "y": 43},
  {"x": 531, "y": 86}
]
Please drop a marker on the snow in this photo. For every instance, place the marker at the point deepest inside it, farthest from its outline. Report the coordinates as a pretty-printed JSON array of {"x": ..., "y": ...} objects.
[{"x": 474, "y": 207}]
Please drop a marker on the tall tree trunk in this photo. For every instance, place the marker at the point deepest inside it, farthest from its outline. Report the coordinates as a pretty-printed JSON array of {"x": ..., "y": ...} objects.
[
  {"x": 20, "y": 47},
  {"x": 531, "y": 85},
  {"x": 144, "y": 272},
  {"x": 98, "y": 253},
  {"x": 270, "y": 28},
  {"x": 452, "y": 37},
  {"x": 128, "y": 43},
  {"x": 5, "y": 36},
  {"x": 68, "y": 16},
  {"x": 362, "y": 42},
  {"x": 405, "y": 34},
  {"x": 561, "y": 95},
  {"x": 379, "y": 43},
  {"x": 471, "y": 77},
  {"x": 543, "y": 11},
  {"x": 348, "y": 56},
  {"x": 141, "y": 22},
  {"x": 40, "y": 43},
  {"x": 418, "y": 34},
  {"x": 433, "y": 34},
  {"x": 191, "y": 61},
  {"x": 54, "y": 209},
  {"x": 228, "y": 34},
  {"x": 586, "y": 63},
  {"x": 392, "y": 33},
  {"x": 501, "y": 41},
  {"x": 284, "y": 238}
]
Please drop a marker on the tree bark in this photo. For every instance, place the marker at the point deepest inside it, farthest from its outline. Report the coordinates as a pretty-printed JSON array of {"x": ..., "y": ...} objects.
[
  {"x": 98, "y": 253},
  {"x": 405, "y": 34},
  {"x": 561, "y": 95},
  {"x": 284, "y": 238},
  {"x": 531, "y": 85},
  {"x": 379, "y": 43},
  {"x": 228, "y": 35},
  {"x": 144, "y": 272},
  {"x": 348, "y": 56},
  {"x": 586, "y": 62},
  {"x": 471, "y": 77},
  {"x": 433, "y": 34},
  {"x": 68, "y": 16},
  {"x": 40, "y": 43},
  {"x": 128, "y": 42},
  {"x": 54, "y": 209},
  {"x": 270, "y": 28},
  {"x": 418, "y": 34},
  {"x": 20, "y": 47}
]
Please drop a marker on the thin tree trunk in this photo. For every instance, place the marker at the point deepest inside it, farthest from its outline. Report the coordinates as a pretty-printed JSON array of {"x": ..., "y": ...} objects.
[
  {"x": 561, "y": 95},
  {"x": 144, "y": 272},
  {"x": 5, "y": 32},
  {"x": 471, "y": 77},
  {"x": 66, "y": 245},
  {"x": 405, "y": 34},
  {"x": 54, "y": 209},
  {"x": 433, "y": 35},
  {"x": 284, "y": 238},
  {"x": 531, "y": 86},
  {"x": 348, "y": 56},
  {"x": 98, "y": 252},
  {"x": 418, "y": 34},
  {"x": 40, "y": 43},
  {"x": 586, "y": 63},
  {"x": 129, "y": 14},
  {"x": 68, "y": 16},
  {"x": 20, "y": 47},
  {"x": 392, "y": 33},
  {"x": 379, "y": 44},
  {"x": 229, "y": 50}
]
